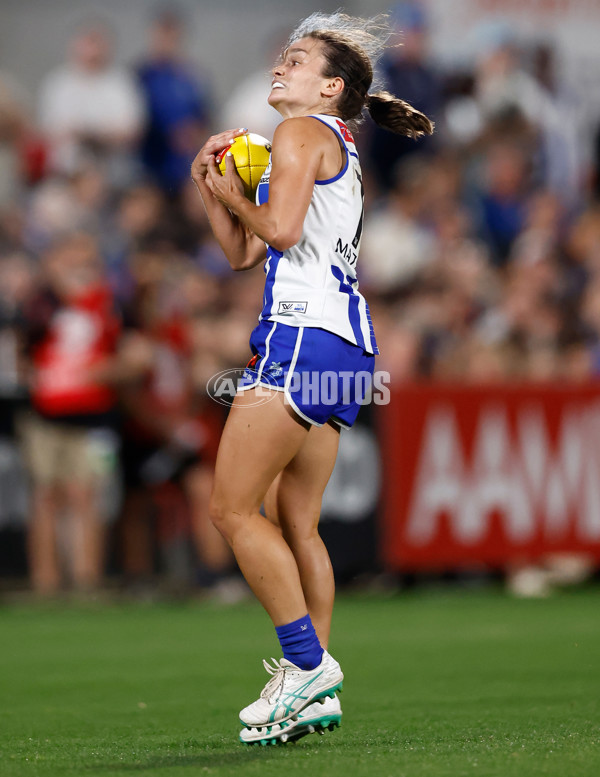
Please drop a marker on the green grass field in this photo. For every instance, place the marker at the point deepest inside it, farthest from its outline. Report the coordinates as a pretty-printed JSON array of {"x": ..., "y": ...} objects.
[{"x": 437, "y": 684}]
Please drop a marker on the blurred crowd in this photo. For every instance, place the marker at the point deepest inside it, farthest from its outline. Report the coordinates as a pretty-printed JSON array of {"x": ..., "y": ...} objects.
[{"x": 480, "y": 260}]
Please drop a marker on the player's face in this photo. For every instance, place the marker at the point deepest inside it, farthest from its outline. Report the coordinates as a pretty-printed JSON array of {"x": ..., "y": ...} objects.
[{"x": 298, "y": 84}]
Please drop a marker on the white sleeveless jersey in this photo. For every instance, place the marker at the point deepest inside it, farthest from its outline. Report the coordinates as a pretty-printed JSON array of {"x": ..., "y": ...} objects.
[{"x": 314, "y": 283}]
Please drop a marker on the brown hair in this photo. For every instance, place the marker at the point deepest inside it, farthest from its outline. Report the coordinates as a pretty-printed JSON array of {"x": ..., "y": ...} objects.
[{"x": 349, "y": 61}]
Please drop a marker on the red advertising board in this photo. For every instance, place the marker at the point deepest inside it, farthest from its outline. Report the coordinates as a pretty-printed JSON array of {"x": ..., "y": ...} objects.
[{"x": 489, "y": 475}]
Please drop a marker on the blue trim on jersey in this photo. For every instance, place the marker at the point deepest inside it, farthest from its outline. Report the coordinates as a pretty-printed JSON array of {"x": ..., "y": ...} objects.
[
  {"x": 273, "y": 259},
  {"x": 374, "y": 347},
  {"x": 353, "y": 302},
  {"x": 343, "y": 142}
]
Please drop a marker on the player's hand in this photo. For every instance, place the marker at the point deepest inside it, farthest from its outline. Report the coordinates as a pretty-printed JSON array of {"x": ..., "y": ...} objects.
[
  {"x": 228, "y": 187},
  {"x": 213, "y": 146}
]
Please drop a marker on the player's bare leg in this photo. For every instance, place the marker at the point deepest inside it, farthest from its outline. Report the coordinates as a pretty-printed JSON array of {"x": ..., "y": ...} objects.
[
  {"x": 258, "y": 441},
  {"x": 294, "y": 503}
]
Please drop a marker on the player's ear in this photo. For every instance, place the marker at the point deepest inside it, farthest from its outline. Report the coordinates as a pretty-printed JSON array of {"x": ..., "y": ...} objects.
[{"x": 333, "y": 86}]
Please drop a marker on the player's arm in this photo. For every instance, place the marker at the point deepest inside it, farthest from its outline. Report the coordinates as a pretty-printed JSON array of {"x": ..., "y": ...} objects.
[
  {"x": 296, "y": 158},
  {"x": 240, "y": 245}
]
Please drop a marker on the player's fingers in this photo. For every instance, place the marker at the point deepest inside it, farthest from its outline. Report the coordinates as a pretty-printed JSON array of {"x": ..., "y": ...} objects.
[
  {"x": 219, "y": 157},
  {"x": 212, "y": 170},
  {"x": 214, "y": 147},
  {"x": 212, "y": 186},
  {"x": 226, "y": 138},
  {"x": 222, "y": 141},
  {"x": 230, "y": 168},
  {"x": 234, "y": 133}
]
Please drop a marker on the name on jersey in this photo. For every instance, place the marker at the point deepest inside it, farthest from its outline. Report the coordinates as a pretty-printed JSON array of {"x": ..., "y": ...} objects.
[
  {"x": 292, "y": 307},
  {"x": 346, "y": 250}
]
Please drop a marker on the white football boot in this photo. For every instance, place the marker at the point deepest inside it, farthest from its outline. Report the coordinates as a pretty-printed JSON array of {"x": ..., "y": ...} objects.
[
  {"x": 290, "y": 690},
  {"x": 318, "y": 717}
]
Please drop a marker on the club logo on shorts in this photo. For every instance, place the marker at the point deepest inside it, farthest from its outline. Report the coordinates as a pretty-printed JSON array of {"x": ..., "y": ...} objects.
[
  {"x": 275, "y": 370},
  {"x": 292, "y": 307}
]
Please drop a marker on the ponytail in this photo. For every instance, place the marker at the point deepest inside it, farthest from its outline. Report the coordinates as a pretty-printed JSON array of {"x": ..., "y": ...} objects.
[
  {"x": 397, "y": 116},
  {"x": 351, "y": 46}
]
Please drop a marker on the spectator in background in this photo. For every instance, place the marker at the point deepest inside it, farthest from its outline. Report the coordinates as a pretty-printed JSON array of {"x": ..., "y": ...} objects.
[
  {"x": 396, "y": 244},
  {"x": 22, "y": 149},
  {"x": 170, "y": 430},
  {"x": 177, "y": 104},
  {"x": 12, "y": 127},
  {"x": 72, "y": 331},
  {"x": 57, "y": 206},
  {"x": 405, "y": 70},
  {"x": 503, "y": 87},
  {"x": 138, "y": 217},
  {"x": 562, "y": 147},
  {"x": 92, "y": 110},
  {"x": 481, "y": 254},
  {"x": 502, "y": 200},
  {"x": 17, "y": 274}
]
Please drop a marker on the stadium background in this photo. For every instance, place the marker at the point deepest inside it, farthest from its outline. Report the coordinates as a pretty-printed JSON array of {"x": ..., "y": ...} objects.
[{"x": 480, "y": 261}]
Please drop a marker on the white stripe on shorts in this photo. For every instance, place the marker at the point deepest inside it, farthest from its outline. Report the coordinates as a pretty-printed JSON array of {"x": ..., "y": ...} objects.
[
  {"x": 290, "y": 374},
  {"x": 263, "y": 361}
]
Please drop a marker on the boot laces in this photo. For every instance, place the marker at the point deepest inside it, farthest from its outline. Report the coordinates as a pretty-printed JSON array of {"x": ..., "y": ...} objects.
[{"x": 275, "y": 684}]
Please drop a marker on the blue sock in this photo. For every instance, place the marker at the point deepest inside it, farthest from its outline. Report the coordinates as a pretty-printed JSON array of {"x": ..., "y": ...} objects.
[{"x": 300, "y": 643}]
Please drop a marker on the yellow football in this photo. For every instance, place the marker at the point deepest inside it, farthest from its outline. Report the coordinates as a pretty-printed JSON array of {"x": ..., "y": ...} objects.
[{"x": 251, "y": 156}]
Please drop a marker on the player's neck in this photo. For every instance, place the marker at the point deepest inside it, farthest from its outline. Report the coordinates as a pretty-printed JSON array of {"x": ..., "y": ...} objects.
[{"x": 294, "y": 112}]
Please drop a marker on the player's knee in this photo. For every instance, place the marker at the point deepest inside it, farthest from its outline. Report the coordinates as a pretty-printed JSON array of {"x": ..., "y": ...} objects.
[
  {"x": 300, "y": 529},
  {"x": 223, "y": 517},
  {"x": 302, "y": 542},
  {"x": 216, "y": 513}
]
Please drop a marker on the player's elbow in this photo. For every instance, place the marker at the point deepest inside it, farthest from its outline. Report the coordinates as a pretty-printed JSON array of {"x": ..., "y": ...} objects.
[
  {"x": 247, "y": 262},
  {"x": 240, "y": 264},
  {"x": 283, "y": 239}
]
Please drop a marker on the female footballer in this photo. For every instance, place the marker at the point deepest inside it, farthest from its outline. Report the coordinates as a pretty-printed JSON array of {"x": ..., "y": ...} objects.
[{"x": 306, "y": 224}]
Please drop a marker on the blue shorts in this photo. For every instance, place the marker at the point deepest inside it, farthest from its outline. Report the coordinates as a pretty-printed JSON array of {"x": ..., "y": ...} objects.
[{"x": 323, "y": 376}]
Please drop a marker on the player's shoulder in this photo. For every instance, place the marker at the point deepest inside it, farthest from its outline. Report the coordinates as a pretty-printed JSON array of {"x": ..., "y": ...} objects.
[
  {"x": 305, "y": 132},
  {"x": 301, "y": 126}
]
